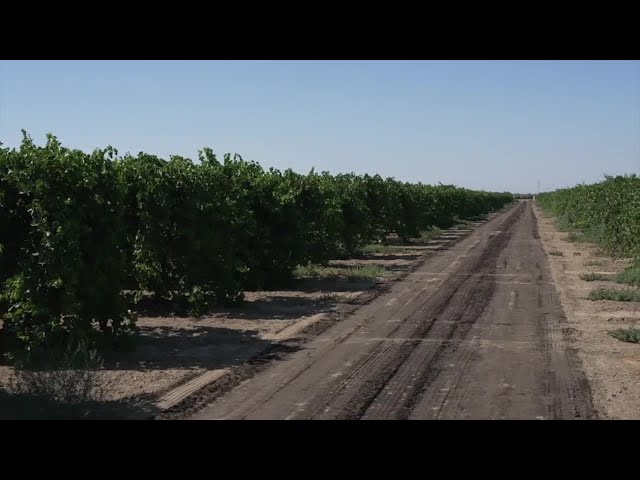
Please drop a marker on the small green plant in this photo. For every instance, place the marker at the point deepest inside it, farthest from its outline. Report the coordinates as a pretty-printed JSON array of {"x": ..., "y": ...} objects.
[
  {"x": 384, "y": 249},
  {"x": 591, "y": 277},
  {"x": 430, "y": 234},
  {"x": 631, "y": 276},
  {"x": 631, "y": 335},
  {"x": 67, "y": 378},
  {"x": 365, "y": 272},
  {"x": 576, "y": 237},
  {"x": 557, "y": 253},
  {"x": 616, "y": 295},
  {"x": 460, "y": 222},
  {"x": 377, "y": 248},
  {"x": 477, "y": 218},
  {"x": 316, "y": 271},
  {"x": 352, "y": 273},
  {"x": 335, "y": 297}
]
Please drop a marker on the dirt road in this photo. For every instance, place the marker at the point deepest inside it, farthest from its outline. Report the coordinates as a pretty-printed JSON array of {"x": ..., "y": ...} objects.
[{"x": 477, "y": 332}]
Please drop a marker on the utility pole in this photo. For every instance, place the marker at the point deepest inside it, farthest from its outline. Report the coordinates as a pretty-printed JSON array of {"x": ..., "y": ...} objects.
[{"x": 538, "y": 187}]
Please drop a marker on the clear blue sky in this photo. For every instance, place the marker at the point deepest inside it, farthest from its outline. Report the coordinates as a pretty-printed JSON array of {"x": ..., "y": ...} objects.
[{"x": 496, "y": 125}]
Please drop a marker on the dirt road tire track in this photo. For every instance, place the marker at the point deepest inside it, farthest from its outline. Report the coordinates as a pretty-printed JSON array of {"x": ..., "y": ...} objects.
[{"x": 451, "y": 340}]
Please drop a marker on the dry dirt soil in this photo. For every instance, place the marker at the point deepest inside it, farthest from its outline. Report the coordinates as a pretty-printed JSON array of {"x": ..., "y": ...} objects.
[
  {"x": 477, "y": 331},
  {"x": 480, "y": 324},
  {"x": 611, "y": 366},
  {"x": 174, "y": 350}
]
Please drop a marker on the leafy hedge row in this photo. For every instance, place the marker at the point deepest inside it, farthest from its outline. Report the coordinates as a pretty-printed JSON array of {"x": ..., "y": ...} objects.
[
  {"x": 78, "y": 231},
  {"x": 608, "y": 212}
]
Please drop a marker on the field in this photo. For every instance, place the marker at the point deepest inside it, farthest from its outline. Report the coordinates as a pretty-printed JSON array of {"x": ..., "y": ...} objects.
[
  {"x": 475, "y": 332},
  {"x": 137, "y": 287},
  {"x": 166, "y": 268}
]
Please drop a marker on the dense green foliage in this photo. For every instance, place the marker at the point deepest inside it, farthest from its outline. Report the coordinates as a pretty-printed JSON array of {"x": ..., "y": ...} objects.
[
  {"x": 61, "y": 259},
  {"x": 607, "y": 212},
  {"x": 79, "y": 230}
]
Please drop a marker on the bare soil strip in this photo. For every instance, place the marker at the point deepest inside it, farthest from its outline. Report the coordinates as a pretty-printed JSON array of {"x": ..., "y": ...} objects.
[
  {"x": 611, "y": 366},
  {"x": 447, "y": 341}
]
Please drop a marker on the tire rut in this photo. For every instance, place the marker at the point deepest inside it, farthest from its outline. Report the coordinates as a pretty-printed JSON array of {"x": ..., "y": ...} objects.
[
  {"x": 476, "y": 333},
  {"x": 353, "y": 396},
  {"x": 452, "y": 326}
]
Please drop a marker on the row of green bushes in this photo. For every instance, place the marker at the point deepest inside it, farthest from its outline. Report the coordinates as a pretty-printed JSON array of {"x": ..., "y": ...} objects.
[
  {"x": 607, "y": 212},
  {"x": 79, "y": 232}
]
